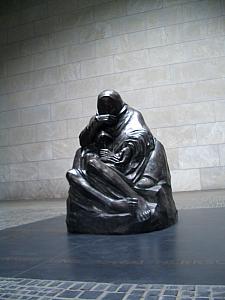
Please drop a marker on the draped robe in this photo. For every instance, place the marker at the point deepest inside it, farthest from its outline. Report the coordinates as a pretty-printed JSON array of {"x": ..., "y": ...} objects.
[{"x": 144, "y": 176}]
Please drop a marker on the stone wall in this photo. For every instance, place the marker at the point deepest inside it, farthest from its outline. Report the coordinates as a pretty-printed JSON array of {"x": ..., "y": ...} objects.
[{"x": 165, "y": 57}]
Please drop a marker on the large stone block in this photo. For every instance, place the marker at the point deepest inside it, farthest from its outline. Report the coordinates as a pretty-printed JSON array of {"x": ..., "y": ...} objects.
[
  {"x": 36, "y": 151},
  {"x": 23, "y": 171},
  {"x": 4, "y": 86},
  {"x": 4, "y": 103},
  {"x": 165, "y": 55},
  {"x": 9, "y": 119},
  {"x": 20, "y": 82},
  {"x": 81, "y": 88},
  {"x": 186, "y": 31},
  {"x": 194, "y": 113},
  {"x": 47, "y": 25},
  {"x": 66, "y": 110},
  {"x": 47, "y": 76},
  {"x": 21, "y": 32},
  {"x": 200, "y": 10},
  {"x": 12, "y": 154},
  {"x": 216, "y": 26},
  {"x": 16, "y": 190},
  {"x": 79, "y": 52},
  {"x": 3, "y": 69},
  {"x": 51, "y": 131},
  {"x": 10, "y": 51},
  {"x": 33, "y": 13},
  {"x": 173, "y": 137},
  {"x": 203, "y": 48},
  {"x": 20, "y": 65},
  {"x": 89, "y": 107},
  {"x": 3, "y": 37},
  {"x": 49, "y": 58},
  {"x": 22, "y": 135},
  {"x": 20, "y": 99},
  {"x": 57, "y": 7},
  {"x": 128, "y": 24},
  {"x": 4, "y": 173},
  {"x": 180, "y": 115},
  {"x": 137, "y": 79},
  {"x": 198, "y": 70},
  {"x": 76, "y": 18},
  {"x": 9, "y": 19},
  {"x": 173, "y": 158},
  {"x": 37, "y": 114},
  {"x": 38, "y": 96},
  {"x": 138, "y": 6},
  {"x": 222, "y": 154},
  {"x": 75, "y": 126},
  {"x": 190, "y": 92},
  {"x": 212, "y": 133},
  {"x": 64, "y": 148},
  {"x": 49, "y": 94},
  {"x": 128, "y": 42},
  {"x": 220, "y": 109},
  {"x": 34, "y": 45},
  {"x": 160, "y": 117},
  {"x": 4, "y": 137},
  {"x": 45, "y": 189},
  {"x": 4, "y": 191},
  {"x": 212, "y": 178},
  {"x": 53, "y": 169},
  {"x": 131, "y": 61},
  {"x": 63, "y": 38},
  {"x": 98, "y": 66},
  {"x": 198, "y": 157},
  {"x": 185, "y": 180},
  {"x": 167, "y": 3},
  {"x": 164, "y": 17},
  {"x": 140, "y": 99},
  {"x": 112, "y": 9},
  {"x": 95, "y": 31},
  {"x": 70, "y": 71}
]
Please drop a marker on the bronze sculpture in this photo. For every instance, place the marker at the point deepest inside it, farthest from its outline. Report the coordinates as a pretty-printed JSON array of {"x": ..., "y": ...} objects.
[{"x": 120, "y": 179}]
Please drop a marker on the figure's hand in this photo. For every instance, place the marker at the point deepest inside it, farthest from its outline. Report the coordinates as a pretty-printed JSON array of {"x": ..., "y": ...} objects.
[
  {"x": 106, "y": 119},
  {"x": 108, "y": 156},
  {"x": 125, "y": 155}
]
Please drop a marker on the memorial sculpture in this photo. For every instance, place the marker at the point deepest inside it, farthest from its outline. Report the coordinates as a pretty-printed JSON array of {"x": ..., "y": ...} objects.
[{"x": 120, "y": 179}]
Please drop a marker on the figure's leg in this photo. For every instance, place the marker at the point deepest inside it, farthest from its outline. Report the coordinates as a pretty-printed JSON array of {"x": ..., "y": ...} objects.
[
  {"x": 96, "y": 166},
  {"x": 143, "y": 208},
  {"x": 76, "y": 179}
]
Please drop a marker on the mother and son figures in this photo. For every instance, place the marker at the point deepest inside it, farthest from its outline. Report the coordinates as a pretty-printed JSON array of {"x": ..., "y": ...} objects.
[{"x": 120, "y": 180}]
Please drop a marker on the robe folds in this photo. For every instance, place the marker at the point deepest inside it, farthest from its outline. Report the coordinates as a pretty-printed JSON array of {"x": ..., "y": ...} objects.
[{"x": 129, "y": 195}]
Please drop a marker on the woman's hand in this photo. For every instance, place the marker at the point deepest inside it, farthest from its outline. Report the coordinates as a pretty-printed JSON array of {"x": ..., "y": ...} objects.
[{"x": 105, "y": 119}]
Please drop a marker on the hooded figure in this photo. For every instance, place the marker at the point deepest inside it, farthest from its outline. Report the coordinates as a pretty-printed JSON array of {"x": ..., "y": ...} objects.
[{"x": 120, "y": 180}]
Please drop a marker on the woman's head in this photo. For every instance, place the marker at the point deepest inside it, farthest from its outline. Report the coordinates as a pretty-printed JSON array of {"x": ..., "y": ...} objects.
[{"x": 109, "y": 102}]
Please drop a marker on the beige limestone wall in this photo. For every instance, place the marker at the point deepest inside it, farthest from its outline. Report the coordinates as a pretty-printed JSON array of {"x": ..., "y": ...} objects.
[{"x": 165, "y": 57}]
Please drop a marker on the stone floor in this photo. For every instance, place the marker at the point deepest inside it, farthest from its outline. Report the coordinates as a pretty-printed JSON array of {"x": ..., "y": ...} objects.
[
  {"x": 14, "y": 213},
  {"x": 35, "y": 289}
]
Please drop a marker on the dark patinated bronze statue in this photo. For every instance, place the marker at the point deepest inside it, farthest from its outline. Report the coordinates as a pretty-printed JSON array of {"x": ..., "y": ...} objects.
[{"x": 120, "y": 179}]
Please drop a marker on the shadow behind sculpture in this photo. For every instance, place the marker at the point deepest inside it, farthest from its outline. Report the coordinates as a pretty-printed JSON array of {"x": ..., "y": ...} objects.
[{"x": 120, "y": 179}]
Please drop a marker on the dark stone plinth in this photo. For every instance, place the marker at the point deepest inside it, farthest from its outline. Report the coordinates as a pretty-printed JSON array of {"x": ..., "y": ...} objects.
[{"x": 191, "y": 252}]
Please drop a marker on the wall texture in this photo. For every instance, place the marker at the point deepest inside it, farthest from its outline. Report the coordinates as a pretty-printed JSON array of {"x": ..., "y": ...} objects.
[{"x": 165, "y": 57}]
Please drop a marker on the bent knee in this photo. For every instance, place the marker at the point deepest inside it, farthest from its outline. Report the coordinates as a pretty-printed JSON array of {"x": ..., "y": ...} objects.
[{"x": 72, "y": 175}]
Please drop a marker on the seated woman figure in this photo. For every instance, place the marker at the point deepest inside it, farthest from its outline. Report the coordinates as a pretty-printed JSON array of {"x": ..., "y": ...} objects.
[{"x": 120, "y": 180}]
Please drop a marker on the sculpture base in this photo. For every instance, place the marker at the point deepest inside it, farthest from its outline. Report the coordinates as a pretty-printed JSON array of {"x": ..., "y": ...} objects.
[{"x": 82, "y": 220}]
